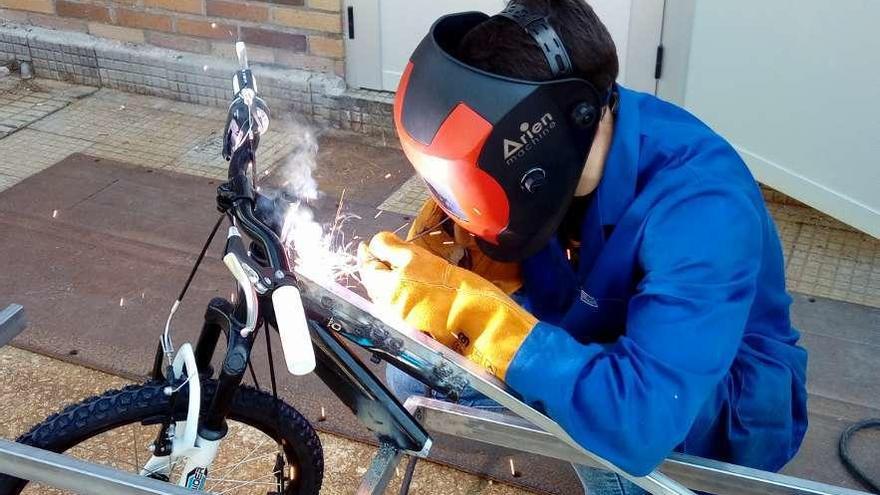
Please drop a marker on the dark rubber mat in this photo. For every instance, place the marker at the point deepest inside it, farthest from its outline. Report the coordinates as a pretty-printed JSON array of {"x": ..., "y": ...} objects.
[{"x": 96, "y": 251}]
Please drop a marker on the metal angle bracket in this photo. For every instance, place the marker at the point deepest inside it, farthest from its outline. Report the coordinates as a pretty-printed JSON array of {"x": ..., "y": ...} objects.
[
  {"x": 381, "y": 470},
  {"x": 706, "y": 475},
  {"x": 12, "y": 323}
]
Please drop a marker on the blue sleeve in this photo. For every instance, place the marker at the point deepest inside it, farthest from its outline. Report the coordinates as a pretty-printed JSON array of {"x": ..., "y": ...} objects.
[{"x": 634, "y": 402}]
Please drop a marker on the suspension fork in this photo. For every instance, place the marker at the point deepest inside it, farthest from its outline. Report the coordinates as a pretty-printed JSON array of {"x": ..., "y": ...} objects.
[
  {"x": 232, "y": 372},
  {"x": 217, "y": 320}
]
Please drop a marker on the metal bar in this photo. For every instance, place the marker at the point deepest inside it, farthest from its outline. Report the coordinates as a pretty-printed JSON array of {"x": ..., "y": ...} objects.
[
  {"x": 354, "y": 317},
  {"x": 696, "y": 473},
  {"x": 381, "y": 471},
  {"x": 12, "y": 323},
  {"x": 67, "y": 473}
]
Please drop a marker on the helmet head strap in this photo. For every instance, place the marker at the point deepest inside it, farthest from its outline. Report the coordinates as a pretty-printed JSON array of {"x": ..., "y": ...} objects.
[{"x": 548, "y": 40}]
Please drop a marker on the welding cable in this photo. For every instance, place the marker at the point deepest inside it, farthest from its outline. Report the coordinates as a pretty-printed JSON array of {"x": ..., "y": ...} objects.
[{"x": 851, "y": 466}]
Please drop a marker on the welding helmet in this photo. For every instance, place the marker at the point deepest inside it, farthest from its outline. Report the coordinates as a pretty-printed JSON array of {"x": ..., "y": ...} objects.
[{"x": 501, "y": 156}]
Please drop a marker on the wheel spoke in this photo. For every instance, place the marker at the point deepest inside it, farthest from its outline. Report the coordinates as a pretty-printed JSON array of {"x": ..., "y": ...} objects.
[{"x": 250, "y": 483}]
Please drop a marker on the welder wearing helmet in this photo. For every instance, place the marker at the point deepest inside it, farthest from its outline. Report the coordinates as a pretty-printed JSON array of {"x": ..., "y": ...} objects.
[{"x": 603, "y": 252}]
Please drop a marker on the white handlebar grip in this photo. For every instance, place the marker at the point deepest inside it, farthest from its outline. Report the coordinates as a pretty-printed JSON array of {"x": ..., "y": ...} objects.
[
  {"x": 241, "y": 53},
  {"x": 294, "y": 330}
]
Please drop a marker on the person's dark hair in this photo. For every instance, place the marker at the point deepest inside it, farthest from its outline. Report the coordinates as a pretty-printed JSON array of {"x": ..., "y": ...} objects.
[{"x": 502, "y": 47}]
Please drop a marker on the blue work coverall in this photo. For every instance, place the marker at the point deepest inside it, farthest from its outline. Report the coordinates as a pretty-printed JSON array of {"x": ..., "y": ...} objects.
[{"x": 674, "y": 333}]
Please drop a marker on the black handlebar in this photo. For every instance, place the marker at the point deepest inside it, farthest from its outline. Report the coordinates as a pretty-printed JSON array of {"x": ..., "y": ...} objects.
[
  {"x": 276, "y": 254},
  {"x": 247, "y": 119}
]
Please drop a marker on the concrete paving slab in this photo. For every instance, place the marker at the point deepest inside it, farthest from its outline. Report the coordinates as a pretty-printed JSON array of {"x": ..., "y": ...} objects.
[{"x": 24, "y": 102}]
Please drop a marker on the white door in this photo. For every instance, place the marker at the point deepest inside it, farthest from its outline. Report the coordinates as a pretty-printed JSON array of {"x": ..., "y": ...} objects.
[
  {"x": 794, "y": 86},
  {"x": 383, "y": 33}
]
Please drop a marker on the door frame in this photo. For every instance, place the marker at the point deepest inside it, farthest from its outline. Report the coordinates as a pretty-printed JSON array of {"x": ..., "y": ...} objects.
[{"x": 678, "y": 25}]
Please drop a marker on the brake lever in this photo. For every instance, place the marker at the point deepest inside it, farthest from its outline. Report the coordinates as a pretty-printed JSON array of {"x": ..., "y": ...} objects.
[{"x": 243, "y": 275}]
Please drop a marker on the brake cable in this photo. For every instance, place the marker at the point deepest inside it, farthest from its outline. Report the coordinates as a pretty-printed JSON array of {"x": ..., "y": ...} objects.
[
  {"x": 167, "y": 345},
  {"x": 279, "y": 475}
]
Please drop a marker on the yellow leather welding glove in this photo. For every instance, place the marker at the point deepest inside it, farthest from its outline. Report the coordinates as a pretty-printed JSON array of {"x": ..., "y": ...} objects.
[
  {"x": 433, "y": 230},
  {"x": 458, "y": 308}
]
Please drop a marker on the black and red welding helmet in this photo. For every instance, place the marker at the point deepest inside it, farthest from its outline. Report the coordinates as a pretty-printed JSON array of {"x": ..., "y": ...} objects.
[{"x": 501, "y": 156}]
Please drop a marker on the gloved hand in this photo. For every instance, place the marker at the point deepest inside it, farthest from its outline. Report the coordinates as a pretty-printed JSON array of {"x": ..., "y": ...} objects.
[
  {"x": 433, "y": 230},
  {"x": 456, "y": 307}
]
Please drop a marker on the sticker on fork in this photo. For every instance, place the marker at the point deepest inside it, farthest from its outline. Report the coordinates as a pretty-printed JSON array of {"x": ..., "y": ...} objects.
[{"x": 196, "y": 479}]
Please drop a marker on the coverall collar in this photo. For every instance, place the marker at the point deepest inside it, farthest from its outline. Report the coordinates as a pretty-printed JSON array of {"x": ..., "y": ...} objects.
[{"x": 617, "y": 188}]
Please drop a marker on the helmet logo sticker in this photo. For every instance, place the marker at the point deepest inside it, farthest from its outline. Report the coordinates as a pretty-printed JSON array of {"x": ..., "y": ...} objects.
[{"x": 532, "y": 134}]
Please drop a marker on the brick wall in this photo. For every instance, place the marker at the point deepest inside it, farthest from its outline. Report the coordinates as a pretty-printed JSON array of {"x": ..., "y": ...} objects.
[{"x": 303, "y": 34}]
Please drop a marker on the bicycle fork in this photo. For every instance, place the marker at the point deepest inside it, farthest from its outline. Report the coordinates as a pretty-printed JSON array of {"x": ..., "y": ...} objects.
[{"x": 198, "y": 441}]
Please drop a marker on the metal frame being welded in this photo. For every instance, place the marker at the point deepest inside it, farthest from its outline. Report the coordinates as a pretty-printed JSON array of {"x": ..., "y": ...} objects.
[{"x": 349, "y": 315}]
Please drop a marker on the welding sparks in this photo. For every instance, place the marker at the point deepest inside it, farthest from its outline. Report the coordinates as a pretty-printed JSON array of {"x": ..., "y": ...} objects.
[
  {"x": 513, "y": 471},
  {"x": 324, "y": 252},
  {"x": 387, "y": 176},
  {"x": 448, "y": 243},
  {"x": 213, "y": 25},
  {"x": 54, "y": 213},
  {"x": 401, "y": 227},
  {"x": 568, "y": 254},
  {"x": 323, "y": 416},
  {"x": 378, "y": 214},
  {"x": 436, "y": 233},
  {"x": 121, "y": 302},
  {"x": 205, "y": 68}
]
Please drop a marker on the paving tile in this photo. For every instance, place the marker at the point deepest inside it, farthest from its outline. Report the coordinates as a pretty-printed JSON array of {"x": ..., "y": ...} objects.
[
  {"x": 24, "y": 102},
  {"x": 408, "y": 199},
  {"x": 834, "y": 263},
  {"x": 154, "y": 132},
  {"x": 34, "y": 151}
]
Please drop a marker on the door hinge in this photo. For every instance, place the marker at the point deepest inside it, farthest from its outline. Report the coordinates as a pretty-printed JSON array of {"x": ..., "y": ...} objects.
[
  {"x": 351, "y": 22},
  {"x": 658, "y": 64}
]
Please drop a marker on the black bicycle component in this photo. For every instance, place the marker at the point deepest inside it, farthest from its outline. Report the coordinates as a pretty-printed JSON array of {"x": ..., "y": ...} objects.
[
  {"x": 278, "y": 469},
  {"x": 359, "y": 389},
  {"x": 258, "y": 231},
  {"x": 158, "y": 370},
  {"x": 216, "y": 322},
  {"x": 231, "y": 374}
]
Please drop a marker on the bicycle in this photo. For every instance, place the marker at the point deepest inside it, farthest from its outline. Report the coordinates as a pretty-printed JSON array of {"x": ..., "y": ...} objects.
[{"x": 187, "y": 415}]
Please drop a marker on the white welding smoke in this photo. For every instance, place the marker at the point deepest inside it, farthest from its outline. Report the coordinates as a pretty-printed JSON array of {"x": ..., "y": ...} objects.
[{"x": 321, "y": 251}]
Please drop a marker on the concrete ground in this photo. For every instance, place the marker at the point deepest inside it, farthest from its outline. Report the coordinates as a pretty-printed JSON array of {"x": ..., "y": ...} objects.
[{"x": 41, "y": 122}]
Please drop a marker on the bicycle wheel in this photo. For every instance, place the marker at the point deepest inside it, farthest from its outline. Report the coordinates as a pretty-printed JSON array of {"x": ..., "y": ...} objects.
[{"x": 117, "y": 428}]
